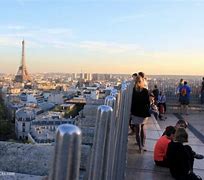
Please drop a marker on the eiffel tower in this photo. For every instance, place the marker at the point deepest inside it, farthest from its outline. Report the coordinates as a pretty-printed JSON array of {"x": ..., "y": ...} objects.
[{"x": 22, "y": 74}]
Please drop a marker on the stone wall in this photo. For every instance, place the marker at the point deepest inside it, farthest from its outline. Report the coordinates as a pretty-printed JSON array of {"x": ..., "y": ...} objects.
[{"x": 32, "y": 159}]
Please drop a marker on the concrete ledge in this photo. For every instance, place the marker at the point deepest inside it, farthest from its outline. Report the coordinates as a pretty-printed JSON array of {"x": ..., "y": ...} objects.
[
  {"x": 32, "y": 159},
  {"x": 18, "y": 176}
]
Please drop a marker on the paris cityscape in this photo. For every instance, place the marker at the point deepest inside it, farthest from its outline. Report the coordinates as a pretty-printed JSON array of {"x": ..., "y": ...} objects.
[
  {"x": 70, "y": 72},
  {"x": 33, "y": 106}
]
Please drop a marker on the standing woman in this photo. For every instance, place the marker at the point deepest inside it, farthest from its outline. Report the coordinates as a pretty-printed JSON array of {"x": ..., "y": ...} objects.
[{"x": 140, "y": 109}]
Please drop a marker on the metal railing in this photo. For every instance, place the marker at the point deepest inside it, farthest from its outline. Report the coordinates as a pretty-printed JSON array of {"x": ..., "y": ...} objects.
[
  {"x": 108, "y": 159},
  {"x": 108, "y": 155}
]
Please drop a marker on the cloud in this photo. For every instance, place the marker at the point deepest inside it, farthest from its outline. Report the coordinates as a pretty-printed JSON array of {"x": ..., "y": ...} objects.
[
  {"x": 43, "y": 36},
  {"x": 61, "y": 38},
  {"x": 110, "y": 47},
  {"x": 15, "y": 27}
]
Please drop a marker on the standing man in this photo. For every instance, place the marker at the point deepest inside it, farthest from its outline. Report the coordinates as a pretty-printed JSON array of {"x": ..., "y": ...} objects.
[{"x": 184, "y": 97}]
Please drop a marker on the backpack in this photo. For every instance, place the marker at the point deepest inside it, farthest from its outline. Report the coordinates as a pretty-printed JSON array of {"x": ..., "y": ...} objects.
[{"x": 183, "y": 91}]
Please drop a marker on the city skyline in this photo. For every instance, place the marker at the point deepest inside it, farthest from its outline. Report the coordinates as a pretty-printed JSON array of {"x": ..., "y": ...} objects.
[{"x": 103, "y": 36}]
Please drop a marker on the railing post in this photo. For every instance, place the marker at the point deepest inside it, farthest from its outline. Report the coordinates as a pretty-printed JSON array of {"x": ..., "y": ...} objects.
[
  {"x": 118, "y": 135},
  {"x": 66, "y": 161},
  {"x": 122, "y": 130},
  {"x": 109, "y": 161},
  {"x": 98, "y": 157},
  {"x": 126, "y": 115}
]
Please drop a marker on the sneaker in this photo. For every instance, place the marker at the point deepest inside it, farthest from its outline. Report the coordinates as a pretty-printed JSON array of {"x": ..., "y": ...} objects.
[
  {"x": 144, "y": 148},
  {"x": 198, "y": 156}
]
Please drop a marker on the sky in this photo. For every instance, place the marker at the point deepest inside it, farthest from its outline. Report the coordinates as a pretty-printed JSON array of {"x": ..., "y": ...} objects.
[{"x": 103, "y": 36}]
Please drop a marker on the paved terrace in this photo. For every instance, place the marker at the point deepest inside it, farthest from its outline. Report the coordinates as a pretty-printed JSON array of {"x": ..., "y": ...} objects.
[{"x": 141, "y": 166}]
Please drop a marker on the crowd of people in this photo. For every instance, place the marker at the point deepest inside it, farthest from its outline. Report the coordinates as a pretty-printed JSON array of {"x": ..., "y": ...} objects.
[{"x": 170, "y": 150}]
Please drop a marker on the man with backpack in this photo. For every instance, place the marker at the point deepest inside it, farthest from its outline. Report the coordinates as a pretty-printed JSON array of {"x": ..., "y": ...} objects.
[{"x": 184, "y": 97}]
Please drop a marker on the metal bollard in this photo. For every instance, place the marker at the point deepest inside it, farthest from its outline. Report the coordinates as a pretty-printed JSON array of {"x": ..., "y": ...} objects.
[
  {"x": 118, "y": 135},
  {"x": 122, "y": 131},
  {"x": 108, "y": 169},
  {"x": 67, "y": 153},
  {"x": 126, "y": 116},
  {"x": 99, "y": 149}
]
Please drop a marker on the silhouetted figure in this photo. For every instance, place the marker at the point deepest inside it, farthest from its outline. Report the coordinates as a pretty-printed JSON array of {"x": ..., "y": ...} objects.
[
  {"x": 202, "y": 92},
  {"x": 161, "y": 105},
  {"x": 156, "y": 93},
  {"x": 184, "y": 97}
]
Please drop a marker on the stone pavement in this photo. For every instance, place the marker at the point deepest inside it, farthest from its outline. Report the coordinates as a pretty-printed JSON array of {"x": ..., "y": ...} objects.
[{"x": 141, "y": 166}]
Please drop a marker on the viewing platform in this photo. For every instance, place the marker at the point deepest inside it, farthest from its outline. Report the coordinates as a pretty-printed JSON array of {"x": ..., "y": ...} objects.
[{"x": 141, "y": 166}]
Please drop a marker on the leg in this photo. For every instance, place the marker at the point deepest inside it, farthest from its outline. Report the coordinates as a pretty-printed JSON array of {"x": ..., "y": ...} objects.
[
  {"x": 143, "y": 136},
  {"x": 132, "y": 127},
  {"x": 190, "y": 153},
  {"x": 164, "y": 104},
  {"x": 137, "y": 134},
  {"x": 202, "y": 97},
  {"x": 182, "y": 109}
]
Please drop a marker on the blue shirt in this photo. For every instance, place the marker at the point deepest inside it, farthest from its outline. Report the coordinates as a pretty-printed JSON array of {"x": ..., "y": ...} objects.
[{"x": 188, "y": 90}]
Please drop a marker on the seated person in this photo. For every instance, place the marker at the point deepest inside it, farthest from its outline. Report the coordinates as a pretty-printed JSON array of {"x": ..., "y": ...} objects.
[
  {"x": 162, "y": 145},
  {"x": 184, "y": 124},
  {"x": 181, "y": 123},
  {"x": 153, "y": 107},
  {"x": 181, "y": 157}
]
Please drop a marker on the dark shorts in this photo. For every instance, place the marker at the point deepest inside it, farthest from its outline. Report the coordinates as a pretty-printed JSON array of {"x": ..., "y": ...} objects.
[{"x": 184, "y": 101}]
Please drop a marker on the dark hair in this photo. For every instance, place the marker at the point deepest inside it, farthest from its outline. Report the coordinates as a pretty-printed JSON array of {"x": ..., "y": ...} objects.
[
  {"x": 134, "y": 74},
  {"x": 169, "y": 131},
  {"x": 185, "y": 82},
  {"x": 182, "y": 123},
  {"x": 141, "y": 74}
]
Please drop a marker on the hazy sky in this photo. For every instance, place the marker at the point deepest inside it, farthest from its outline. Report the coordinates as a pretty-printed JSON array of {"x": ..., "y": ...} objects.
[{"x": 112, "y": 36}]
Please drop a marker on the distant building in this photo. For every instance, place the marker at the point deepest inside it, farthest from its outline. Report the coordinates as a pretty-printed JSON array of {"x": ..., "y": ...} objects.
[
  {"x": 56, "y": 98},
  {"x": 87, "y": 76},
  {"x": 32, "y": 97},
  {"x": 23, "y": 120},
  {"x": 43, "y": 128}
]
